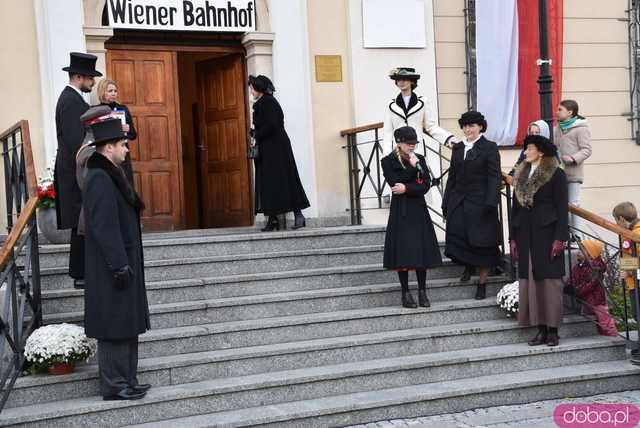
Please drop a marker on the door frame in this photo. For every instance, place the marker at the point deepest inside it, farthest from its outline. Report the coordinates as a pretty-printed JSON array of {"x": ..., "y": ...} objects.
[{"x": 174, "y": 49}]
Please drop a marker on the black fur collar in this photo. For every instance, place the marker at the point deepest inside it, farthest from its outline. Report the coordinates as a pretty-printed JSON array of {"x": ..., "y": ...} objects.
[
  {"x": 525, "y": 188},
  {"x": 98, "y": 161}
]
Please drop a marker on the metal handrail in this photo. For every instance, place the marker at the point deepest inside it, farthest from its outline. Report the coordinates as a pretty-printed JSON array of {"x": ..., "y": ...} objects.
[{"x": 19, "y": 257}]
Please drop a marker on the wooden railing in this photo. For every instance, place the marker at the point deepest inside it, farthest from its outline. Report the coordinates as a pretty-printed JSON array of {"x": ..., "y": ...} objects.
[{"x": 21, "y": 312}]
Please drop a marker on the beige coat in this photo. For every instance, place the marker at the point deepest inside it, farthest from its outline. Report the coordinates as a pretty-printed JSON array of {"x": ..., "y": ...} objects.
[{"x": 575, "y": 142}]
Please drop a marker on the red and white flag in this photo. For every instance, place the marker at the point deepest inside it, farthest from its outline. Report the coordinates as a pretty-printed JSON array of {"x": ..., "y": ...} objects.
[{"x": 507, "y": 50}]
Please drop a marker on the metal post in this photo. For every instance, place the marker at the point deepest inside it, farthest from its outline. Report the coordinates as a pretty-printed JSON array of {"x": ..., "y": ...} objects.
[
  {"x": 376, "y": 145},
  {"x": 545, "y": 80},
  {"x": 636, "y": 295},
  {"x": 352, "y": 195}
]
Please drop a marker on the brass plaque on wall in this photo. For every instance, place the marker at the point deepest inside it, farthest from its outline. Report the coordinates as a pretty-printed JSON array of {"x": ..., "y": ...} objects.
[
  {"x": 328, "y": 68},
  {"x": 628, "y": 263}
]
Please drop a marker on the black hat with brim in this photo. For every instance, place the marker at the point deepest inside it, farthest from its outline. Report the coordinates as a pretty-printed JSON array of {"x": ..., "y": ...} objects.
[
  {"x": 543, "y": 144},
  {"x": 473, "y": 117},
  {"x": 262, "y": 84},
  {"x": 405, "y": 135},
  {"x": 83, "y": 64},
  {"x": 107, "y": 131},
  {"x": 404, "y": 73}
]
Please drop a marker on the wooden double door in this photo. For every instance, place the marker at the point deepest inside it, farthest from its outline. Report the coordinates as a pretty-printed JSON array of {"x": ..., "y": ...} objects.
[{"x": 148, "y": 84}]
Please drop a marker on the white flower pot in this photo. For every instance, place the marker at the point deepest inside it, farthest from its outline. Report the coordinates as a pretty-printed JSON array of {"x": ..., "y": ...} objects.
[{"x": 47, "y": 223}]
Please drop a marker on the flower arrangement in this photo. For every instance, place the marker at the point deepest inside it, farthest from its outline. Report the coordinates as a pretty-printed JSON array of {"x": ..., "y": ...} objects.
[
  {"x": 508, "y": 297},
  {"x": 46, "y": 190},
  {"x": 57, "y": 344}
]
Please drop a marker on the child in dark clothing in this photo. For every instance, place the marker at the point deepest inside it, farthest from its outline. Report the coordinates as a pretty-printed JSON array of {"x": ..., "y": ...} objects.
[{"x": 586, "y": 278}]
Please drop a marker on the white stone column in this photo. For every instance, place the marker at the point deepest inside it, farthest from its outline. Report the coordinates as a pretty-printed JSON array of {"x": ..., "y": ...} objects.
[
  {"x": 259, "y": 47},
  {"x": 59, "y": 30},
  {"x": 96, "y": 36}
]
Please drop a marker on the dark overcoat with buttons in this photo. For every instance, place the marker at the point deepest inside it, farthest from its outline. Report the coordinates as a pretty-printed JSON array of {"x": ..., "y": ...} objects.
[
  {"x": 410, "y": 240},
  {"x": 112, "y": 240},
  {"x": 473, "y": 185},
  {"x": 535, "y": 227}
]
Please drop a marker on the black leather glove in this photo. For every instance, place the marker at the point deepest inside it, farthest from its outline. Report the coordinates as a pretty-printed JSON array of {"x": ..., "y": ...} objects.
[{"x": 122, "y": 277}]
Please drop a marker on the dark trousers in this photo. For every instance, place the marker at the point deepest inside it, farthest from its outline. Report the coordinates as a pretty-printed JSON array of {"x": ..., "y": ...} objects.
[
  {"x": 76, "y": 255},
  {"x": 117, "y": 365}
]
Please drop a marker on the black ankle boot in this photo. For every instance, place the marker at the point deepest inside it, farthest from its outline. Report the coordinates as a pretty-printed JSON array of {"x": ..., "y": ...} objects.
[
  {"x": 300, "y": 222},
  {"x": 466, "y": 275},
  {"x": 272, "y": 224},
  {"x": 407, "y": 298},
  {"x": 552, "y": 337},
  {"x": 540, "y": 338},
  {"x": 423, "y": 300},
  {"x": 481, "y": 291}
]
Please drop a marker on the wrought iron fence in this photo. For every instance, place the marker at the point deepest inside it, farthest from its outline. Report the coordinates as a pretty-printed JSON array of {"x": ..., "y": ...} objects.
[{"x": 20, "y": 301}]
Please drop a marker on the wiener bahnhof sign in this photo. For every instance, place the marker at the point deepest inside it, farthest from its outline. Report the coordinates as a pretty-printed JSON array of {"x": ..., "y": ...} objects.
[{"x": 183, "y": 15}]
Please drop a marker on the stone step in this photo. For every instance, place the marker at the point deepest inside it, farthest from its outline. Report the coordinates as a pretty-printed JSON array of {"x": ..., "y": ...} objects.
[
  {"x": 269, "y": 306},
  {"x": 177, "y": 245},
  {"x": 192, "y": 367},
  {"x": 239, "y": 334},
  {"x": 427, "y": 399},
  {"x": 202, "y": 267},
  {"x": 411, "y": 372},
  {"x": 60, "y": 301}
]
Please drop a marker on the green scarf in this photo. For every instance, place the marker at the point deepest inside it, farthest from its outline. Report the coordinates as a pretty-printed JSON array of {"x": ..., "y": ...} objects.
[{"x": 566, "y": 124}]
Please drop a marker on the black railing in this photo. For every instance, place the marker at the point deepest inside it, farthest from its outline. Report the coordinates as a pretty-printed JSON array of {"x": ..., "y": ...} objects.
[
  {"x": 21, "y": 309},
  {"x": 367, "y": 185}
]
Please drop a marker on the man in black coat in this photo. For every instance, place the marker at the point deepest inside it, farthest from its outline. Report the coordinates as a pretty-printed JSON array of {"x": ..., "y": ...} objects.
[
  {"x": 116, "y": 310},
  {"x": 70, "y": 131}
]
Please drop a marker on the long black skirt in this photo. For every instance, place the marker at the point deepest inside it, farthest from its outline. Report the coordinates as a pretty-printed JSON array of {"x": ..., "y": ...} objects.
[
  {"x": 410, "y": 241},
  {"x": 459, "y": 249}
]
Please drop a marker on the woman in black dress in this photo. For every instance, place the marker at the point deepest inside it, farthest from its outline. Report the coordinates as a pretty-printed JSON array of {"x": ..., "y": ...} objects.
[
  {"x": 108, "y": 95},
  {"x": 539, "y": 231},
  {"x": 470, "y": 203},
  {"x": 410, "y": 241},
  {"x": 278, "y": 186}
]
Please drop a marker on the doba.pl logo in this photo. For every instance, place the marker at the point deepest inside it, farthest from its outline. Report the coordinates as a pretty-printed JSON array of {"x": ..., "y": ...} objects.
[{"x": 596, "y": 415}]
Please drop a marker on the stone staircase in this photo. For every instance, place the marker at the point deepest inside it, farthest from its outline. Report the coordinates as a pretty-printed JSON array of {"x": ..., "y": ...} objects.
[{"x": 304, "y": 329}]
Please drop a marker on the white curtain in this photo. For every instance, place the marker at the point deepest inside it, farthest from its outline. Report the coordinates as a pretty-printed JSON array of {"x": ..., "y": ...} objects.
[{"x": 497, "y": 68}]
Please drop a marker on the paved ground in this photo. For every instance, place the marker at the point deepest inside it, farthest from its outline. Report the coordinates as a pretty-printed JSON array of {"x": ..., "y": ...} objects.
[{"x": 534, "y": 415}]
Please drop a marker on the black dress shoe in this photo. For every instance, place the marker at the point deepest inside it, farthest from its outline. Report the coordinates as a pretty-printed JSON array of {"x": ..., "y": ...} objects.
[
  {"x": 466, "y": 275},
  {"x": 78, "y": 284},
  {"x": 300, "y": 222},
  {"x": 141, "y": 387},
  {"x": 125, "y": 394},
  {"x": 272, "y": 224},
  {"x": 423, "y": 300},
  {"x": 481, "y": 291}
]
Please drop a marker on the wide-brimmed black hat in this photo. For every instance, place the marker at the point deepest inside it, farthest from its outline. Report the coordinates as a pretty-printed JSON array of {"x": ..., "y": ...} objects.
[
  {"x": 406, "y": 135},
  {"x": 543, "y": 144},
  {"x": 262, "y": 83},
  {"x": 404, "y": 73},
  {"x": 82, "y": 63},
  {"x": 107, "y": 131},
  {"x": 471, "y": 117}
]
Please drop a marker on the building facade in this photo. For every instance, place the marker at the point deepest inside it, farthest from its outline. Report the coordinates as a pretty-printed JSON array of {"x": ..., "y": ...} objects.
[{"x": 187, "y": 93}]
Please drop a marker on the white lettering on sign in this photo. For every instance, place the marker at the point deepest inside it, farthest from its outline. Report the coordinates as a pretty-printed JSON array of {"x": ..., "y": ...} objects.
[{"x": 183, "y": 15}]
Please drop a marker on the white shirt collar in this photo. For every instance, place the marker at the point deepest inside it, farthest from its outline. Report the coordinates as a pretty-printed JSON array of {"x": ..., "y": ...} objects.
[
  {"x": 470, "y": 143},
  {"x": 76, "y": 89}
]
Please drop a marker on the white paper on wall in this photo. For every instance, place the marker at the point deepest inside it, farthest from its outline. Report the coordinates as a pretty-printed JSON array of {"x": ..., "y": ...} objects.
[{"x": 393, "y": 24}]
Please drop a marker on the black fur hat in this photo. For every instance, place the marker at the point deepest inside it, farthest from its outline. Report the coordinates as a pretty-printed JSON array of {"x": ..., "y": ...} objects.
[
  {"x": 471, "y": 117},
  {"x": 406, "y": 135},
  {"x": 543, "y": 144}
]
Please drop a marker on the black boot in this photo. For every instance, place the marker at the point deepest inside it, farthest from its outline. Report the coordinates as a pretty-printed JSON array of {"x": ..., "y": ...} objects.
[
  {"x": 272, "y": 224},
  {"x": 423, "y": 300},
  {"x": 481, "y": 291},
  {"x": 540, "y": 338},
  {"x": 300, "y": 221},
  {"x": 407, "y": 298},
  {"x": 552, "y": 337},
  {"x": 466, "y": 275}
]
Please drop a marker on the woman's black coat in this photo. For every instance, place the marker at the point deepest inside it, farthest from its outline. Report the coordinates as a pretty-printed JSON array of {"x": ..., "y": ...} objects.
[
  {"x": 410, "y": 241},
  {"x": 278, "y": 186},
  {"x": 70, "y": 132},
  {"x": 474, "y": 185},
  {"x": 131, "y": 135},
  {"x": 534, "y": 229},
  {"x": 112, "y": 241}
]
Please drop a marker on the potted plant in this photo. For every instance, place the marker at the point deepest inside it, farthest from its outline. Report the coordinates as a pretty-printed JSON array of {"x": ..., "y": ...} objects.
[
  {"x": 47, "y": 218},
  {"x": 508, "y": 298},
  {"x": 57, "y": 347}
]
